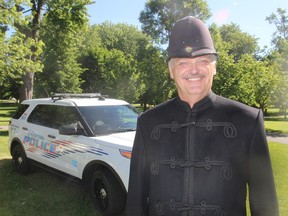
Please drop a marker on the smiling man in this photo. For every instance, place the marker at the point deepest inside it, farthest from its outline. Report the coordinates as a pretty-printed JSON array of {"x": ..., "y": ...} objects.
[
  {"x": 193, "y": 76},
  {"x": 199, "y": 153}
]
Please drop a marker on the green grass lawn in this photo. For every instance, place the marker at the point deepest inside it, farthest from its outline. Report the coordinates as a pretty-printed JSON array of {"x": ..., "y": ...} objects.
[
  {"x": 48, "y": 194},
  {"x": 276, "y": 126},
  {"x": 41, "y": 193},
  {"x": 279, "y": 153},
  {"x": 6, "y": 111}
]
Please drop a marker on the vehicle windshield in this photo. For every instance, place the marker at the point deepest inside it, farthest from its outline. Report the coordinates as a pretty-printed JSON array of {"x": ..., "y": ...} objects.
[{"x": 110, "y": 119}]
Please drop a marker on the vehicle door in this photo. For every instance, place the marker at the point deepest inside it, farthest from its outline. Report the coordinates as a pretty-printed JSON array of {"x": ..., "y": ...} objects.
[
  {"x": 43, "y": 142},
  {"x": 40, "y": 134}
]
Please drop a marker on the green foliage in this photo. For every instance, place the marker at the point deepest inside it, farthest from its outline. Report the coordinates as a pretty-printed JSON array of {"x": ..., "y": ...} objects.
[
  {"x": 240, "y": 75},
  {"x": 280, "y": 97},
  {"x": 280, "y": 20},
  {"x": 11, "y": 12},
  {"x": 108, "y": 57},
  {"x": 238, "y": 42},
  {"x": 62, "y": 29},
  {"x": 67, "y": 15},
  {"x": 22, "y": 50},
  {"x": 16, "y": 60},
  {"x": 121, "y": 36},
  {"x": 19, "y": 51},
  {"x": 118, "y": 59},
  {"x": 260, "y": 79},
  {"x": 19, "y": 55},
  {"x": 249, "y": 81},
  {"x": 155, "y": 83},
  {"x": 159, "y": 16},
  {"x": 123, "y": 62},
  {"x": 279, "y": 56}
]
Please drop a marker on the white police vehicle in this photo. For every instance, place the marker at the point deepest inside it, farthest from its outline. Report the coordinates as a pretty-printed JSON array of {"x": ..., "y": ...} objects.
[{"x": 86, "y": 136}]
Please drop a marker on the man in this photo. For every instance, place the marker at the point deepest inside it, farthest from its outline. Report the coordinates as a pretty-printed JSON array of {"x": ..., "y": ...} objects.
[{"x": 199, "y": 153}]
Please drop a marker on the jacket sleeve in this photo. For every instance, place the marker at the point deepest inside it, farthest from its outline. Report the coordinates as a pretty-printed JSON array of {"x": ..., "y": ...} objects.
[
  {"x": 262, "y": 192},
  {"x": 137, "y": 190}
]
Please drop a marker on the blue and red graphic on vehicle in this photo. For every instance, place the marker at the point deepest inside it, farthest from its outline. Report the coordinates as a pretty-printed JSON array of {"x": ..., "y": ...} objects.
[{"x": 57, "y": 148}]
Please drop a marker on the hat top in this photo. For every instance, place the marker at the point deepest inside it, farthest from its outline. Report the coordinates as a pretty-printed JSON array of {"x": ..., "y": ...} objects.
[{"x": 190, "y": 38}]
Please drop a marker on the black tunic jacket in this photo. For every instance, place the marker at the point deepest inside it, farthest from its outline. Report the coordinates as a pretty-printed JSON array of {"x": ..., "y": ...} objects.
[{"x": 199, "y": 161}]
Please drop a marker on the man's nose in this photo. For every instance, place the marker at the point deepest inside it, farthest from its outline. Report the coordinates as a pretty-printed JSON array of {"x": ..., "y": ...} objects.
[{"x": 193, "y": 67}]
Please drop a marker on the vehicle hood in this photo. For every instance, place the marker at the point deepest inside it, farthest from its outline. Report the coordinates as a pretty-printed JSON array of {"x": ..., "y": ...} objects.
[{"x": 125, "y": 139}]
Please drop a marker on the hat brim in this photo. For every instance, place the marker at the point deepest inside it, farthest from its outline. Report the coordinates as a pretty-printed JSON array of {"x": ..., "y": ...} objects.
[{"x": 193, "y": 54}]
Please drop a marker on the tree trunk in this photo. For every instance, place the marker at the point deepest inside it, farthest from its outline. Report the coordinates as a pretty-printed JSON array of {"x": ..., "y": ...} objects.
[{"x": 26, "y": 89}]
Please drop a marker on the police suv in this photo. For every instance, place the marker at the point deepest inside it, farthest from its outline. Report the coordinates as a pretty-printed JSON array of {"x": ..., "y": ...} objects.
[{"x": 86, "y": 136}]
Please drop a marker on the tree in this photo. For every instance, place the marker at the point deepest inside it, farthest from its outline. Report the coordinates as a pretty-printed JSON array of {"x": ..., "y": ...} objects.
[
  {"x": 280, "y": 54},
  {"x": 18, "y": 61},
  {"x": 281, "y": 23},
  {"x": 109, "y": 59},
  {"x": 154, "y": 81},
  {"x": 280, "y": 98},
  {"x": 121, "y": 61},
  {"x": 31, "y": 31},
  {"x": 260, "y": 79},
  {"x": 159, "y": 16},
  {"x": 61, "y": 32},
  {"x": 240, "y": 74},
  {"x": 25, "y": 17},
  {"x": 19, "y": 53},
  {"x": 238, "y": 42}
]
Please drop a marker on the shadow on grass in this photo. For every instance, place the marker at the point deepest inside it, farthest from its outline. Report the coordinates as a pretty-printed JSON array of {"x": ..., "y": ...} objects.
[
  {"x": 275, "y": 133},
  {"x": 41, "y": 193},
  {"x": 4, "y": 163},
  {"x": 3, "y": 105},
  {"x": 4, "y": 133},
  {"x": 276, "y": 119},
  {"x": 7, "y": 114}
]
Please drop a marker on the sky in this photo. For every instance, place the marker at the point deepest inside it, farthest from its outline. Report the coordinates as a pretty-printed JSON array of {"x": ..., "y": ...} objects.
[{"x": 248, "y": 14}]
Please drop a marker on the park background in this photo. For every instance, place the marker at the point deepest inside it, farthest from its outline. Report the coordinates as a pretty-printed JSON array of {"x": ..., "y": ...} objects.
[{"x": 65, "y": 46}]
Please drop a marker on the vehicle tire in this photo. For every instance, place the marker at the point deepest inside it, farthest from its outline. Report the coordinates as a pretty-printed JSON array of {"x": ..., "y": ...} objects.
[
  {"x": 20, "y": 161},
  {"x": 107, "y": 194}
]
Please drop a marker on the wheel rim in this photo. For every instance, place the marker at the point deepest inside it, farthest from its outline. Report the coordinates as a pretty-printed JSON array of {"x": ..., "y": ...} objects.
[
  {"x": 100, "y": 193},
  {"x": 18, "y": 160}
]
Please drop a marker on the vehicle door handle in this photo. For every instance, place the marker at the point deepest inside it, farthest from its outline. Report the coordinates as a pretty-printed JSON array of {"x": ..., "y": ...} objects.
[
  {"x": 25, "y": 128},
  {"x": 51, "y": 136}
]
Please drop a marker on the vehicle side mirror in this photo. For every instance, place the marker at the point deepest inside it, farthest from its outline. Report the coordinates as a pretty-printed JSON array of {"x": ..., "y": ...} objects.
[{"x": 70, "y": 129}]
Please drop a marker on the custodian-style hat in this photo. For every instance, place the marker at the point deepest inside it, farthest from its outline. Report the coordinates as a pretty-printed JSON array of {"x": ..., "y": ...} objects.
[{"x": 190, "y": 38}]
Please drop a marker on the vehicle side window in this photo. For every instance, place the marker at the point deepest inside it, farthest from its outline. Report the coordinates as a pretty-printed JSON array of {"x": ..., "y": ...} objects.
[
  {"x": 53, "y": 116},
  {"x": 43, "y": 115},
  {"x": 66, "y": 116},
  {"x": 20, "y": 110}
]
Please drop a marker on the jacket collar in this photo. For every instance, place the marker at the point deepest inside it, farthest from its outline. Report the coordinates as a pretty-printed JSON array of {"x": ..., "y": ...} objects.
[{"x": 203, "y": 104}]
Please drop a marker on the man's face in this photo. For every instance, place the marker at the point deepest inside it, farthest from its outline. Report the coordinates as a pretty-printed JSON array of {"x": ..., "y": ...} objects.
[{"x": 193, "y": 76}]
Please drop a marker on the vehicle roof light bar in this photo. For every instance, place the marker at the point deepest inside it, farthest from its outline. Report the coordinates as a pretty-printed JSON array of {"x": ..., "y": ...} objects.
[{"x": 59, "y": 96}]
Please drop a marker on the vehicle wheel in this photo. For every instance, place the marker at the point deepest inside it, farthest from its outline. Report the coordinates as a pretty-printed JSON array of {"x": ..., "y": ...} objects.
[
  {"x": 20, "y": 160},
  {"x": 107, "y": 194}
]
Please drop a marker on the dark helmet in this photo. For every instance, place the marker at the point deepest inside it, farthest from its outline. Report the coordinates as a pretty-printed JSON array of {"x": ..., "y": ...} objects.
[{"x": 190, "y": 38}]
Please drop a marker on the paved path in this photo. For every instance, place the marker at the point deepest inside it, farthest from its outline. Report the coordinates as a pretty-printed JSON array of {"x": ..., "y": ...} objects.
[
  {"x": 3, "y": 128},
  {"x": 279, "y": 139}
]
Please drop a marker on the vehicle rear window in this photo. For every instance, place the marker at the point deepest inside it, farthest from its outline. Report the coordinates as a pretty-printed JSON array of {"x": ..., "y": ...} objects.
[
  {"x": 20, "y": 110},
  {"x": 53, "y": 116}
]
